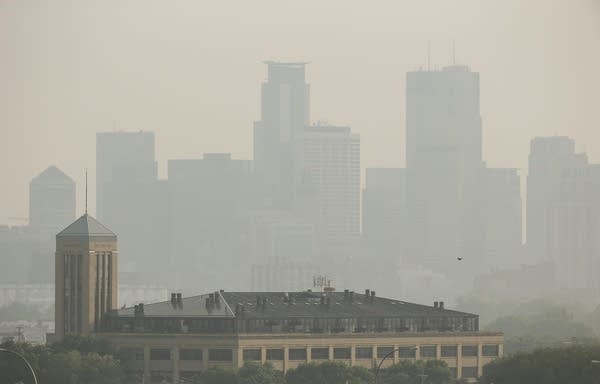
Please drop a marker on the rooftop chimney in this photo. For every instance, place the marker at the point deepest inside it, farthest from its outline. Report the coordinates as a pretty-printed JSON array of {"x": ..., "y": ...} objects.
[
  {"x": 441, "y": 305},
  {"x": 173, "y": 298},
  {"x": 435, "y": 304},
  {"x": 179, "y": 298}
]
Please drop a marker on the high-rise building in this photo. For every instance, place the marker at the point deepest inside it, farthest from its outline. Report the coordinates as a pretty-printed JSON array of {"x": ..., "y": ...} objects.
[
  {"x": 86, "y": 276},
  {"x": 331, "y": 156},
  {"x": 383, "y": 214},
  {"x": 207, "y": 197},
  {"x": 547, "y": 158},
  {"x": 122, "y": 157},
  {"x": 285, "y": 111},
  {"x": 443, "y": 163},
  {"x": 501, "y": 210},
  {"x": 573, "y": 226},
  {"x": 51, "y": 200},
  {"x": 130, "y": 199}
]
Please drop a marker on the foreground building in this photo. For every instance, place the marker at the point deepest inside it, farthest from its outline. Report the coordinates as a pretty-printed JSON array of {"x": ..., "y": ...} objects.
[{"x": 174, "y": 340}]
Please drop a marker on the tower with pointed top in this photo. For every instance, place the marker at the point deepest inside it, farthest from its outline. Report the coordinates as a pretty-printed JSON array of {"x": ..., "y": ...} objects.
[{"x": 86, "y": 276}]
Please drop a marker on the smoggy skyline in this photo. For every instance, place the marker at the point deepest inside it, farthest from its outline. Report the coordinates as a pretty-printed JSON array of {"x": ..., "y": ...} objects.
[{"x": 69, "y": 70}]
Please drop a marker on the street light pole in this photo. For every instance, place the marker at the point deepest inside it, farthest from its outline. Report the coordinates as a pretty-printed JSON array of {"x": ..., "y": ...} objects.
[
  {"x": 24, "y": 359},
  {"x": 423, "y": 376}
]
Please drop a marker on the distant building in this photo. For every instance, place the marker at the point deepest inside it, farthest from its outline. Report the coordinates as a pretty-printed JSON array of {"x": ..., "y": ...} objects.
[
  {"x": 285, "y": 111},
  {"x": 443, "y": 163},
  {"x": 132, "y": 201},
  {"x": 207, "y": 199},
  {"x": 86, "y": 276},
  {"x": 546, "y": 159},
  {"x": 51, "y": 200},
  {"x": 501, "y": 212},
  {"x": 331, "y": 156},
  {"x": 384, "y": 214}
]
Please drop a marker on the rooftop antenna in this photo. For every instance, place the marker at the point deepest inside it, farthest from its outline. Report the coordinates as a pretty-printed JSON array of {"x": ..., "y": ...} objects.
[
  {"x": 86, "y": 191},
  {"x": 428, "y": 53},
  {"x": 453, "y": 52}
]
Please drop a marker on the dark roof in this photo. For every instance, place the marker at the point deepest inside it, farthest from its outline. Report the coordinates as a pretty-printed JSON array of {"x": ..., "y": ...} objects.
[
  {"x": 302, "y": 304},
  {"x": 87, "y": 227}
]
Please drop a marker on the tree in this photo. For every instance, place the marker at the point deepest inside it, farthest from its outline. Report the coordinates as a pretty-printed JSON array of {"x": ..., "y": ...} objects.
[
  {"x": 549, "y": 366},
  {"x": 409, "y": 372},
  {"x": 255, "y": 373}
]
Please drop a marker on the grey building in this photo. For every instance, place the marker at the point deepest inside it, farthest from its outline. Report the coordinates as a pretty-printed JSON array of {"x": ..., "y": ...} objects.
[
  {"x": 547, "y": 157},
  {"x": 51, "y": 200},
  {"x": 384, "y": 214},
  {"x": 131, "y": 200},
  {"x": 285, "y": 111},
  {"x": 443, "y": 163},
  {"x": 501, "y": 211}
]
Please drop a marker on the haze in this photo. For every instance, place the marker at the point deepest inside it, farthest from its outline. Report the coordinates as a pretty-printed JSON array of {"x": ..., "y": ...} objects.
[{"x": 191, "y": 72}]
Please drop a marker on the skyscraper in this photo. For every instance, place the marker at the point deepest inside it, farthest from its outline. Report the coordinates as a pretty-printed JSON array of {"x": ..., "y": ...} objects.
[
  {"x": 443, "y": 163},
  {"x": 384, "y": 214},
  {"x": 501, "y": 218},
  {"x": 331, "y": 156},
  {"x": 547, "y": 158},
  {"x": 51, "y": 200},
  {"x": 130, "y": 199},
  {"x": 285, "y": 111}
]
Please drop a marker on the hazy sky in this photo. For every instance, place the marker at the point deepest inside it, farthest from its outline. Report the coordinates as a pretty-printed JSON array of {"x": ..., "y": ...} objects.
[{"x": 191, "y": 72}]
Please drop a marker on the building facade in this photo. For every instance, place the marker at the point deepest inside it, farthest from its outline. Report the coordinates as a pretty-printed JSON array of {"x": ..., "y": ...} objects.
[
  {"x": 86, "y": 276},
  {"x": 178, "y": 339}
]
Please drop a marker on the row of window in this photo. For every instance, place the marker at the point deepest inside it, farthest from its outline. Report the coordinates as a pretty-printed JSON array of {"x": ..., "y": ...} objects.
[{"x": 300, "y": 354}]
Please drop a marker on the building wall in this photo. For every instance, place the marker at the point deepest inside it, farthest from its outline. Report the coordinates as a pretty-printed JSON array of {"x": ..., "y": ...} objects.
[
  {"x": 172, "y": 366},
  {"x": 84, "y": 290}
]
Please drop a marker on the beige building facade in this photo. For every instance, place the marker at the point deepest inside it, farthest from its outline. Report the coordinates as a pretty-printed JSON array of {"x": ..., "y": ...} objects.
[{"x": 86, "y": 276}]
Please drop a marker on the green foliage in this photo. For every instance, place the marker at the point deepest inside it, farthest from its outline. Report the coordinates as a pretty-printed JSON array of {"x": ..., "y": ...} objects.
[
  {"x": 216, "y": 375},
  {"x": 571, "y": 365},
  {"x": 329, "y": 372},
  {"x": 77, "y": 360},
  {"x": 409, "y": 372},
  {"x": 255, "y": 373}
]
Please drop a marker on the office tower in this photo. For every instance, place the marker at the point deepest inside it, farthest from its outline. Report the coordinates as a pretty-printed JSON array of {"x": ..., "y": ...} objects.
[
  {"x": 122, "y": 157},
  {"x": 51, "y": 201},
  {"x": 383, "y": 214},
  {"x": 129, "y": 198},
  {"x": 502, "y": 216},
  {"x": 284, "y": 114},
  {"x": 207, "y": 197},
  {"x": 331, "y": 156},
  {"x": 443, "y": 163},
  {"x": 547, "y": 157},
  {"x": 572, "y": 225},
  {"x": 86, "y": 276}
]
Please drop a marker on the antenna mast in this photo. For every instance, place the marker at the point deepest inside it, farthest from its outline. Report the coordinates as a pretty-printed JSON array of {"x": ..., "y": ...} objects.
[
  {"x": 86, "y": 191},
  {"x": 453, "y": 52},
  {"x": 428, "y": 54}
]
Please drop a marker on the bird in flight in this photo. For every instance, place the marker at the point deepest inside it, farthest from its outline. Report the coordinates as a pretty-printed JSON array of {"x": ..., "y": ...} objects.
[{"x": 459, "y": 258}]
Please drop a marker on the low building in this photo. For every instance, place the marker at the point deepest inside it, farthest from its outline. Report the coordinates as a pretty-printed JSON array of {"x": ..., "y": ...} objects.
[{"x": 179, "y": 338}]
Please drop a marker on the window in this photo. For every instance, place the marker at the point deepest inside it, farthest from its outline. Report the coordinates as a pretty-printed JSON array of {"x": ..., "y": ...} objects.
[
  {"x": 341, "y": 353},
  {"x": 407, "y": 352},
  {"x": 220, "y": 355},
  {"x": 160, "y": 354},
  {"x": 468, "y": 372},
  {"x": 251, "y": 354},
  {"x": 190, "y": 354},
  {"x": 131, "y": 354},
  {"x": 319, "y": 353},
  {"x": 274, "y": 354},
  {"x": 298, "y": 354},
  {"x": 364, "y": 352},
  {"x": 469, "y": 350},
  {"x": 428, "y": 351},
  {"x": 384, "y": 351},
  {"x": 449, "y": 350},
  {"x": 490, "y": 350}
]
